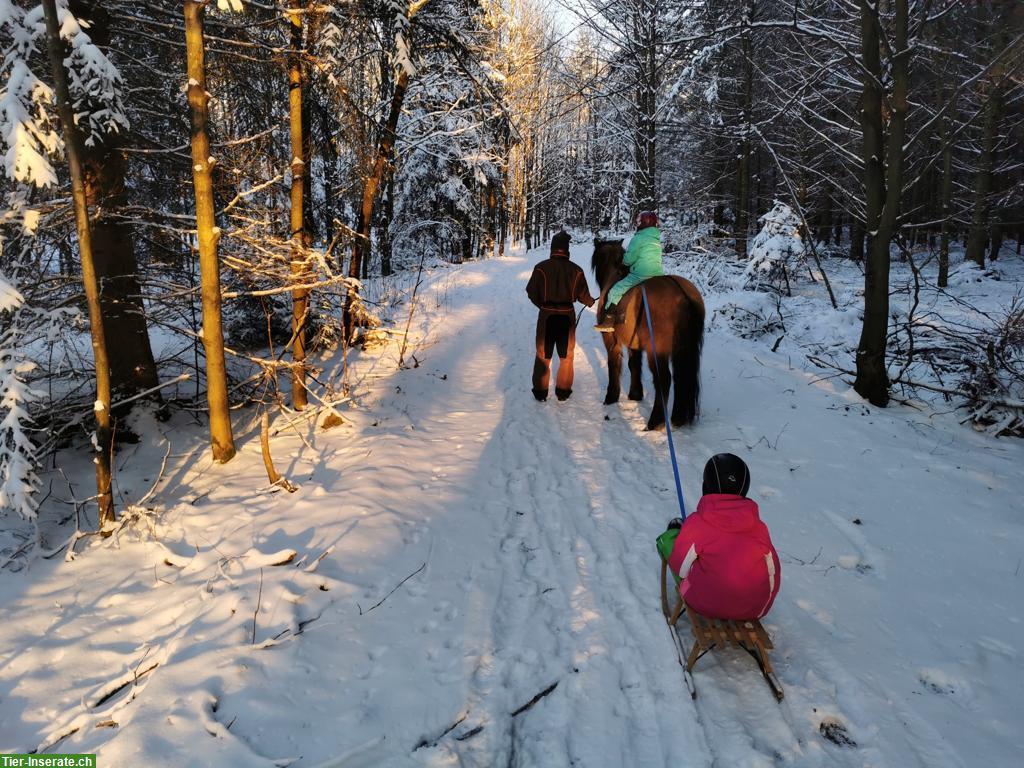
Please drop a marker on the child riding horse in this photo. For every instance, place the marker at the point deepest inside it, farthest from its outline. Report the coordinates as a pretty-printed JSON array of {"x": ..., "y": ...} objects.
[
  {"x": 677, "y": 315},
  {"x": 643, "y": 257}
]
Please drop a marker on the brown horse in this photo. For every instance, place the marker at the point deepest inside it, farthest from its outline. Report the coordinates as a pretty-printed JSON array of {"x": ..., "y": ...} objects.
[{"x": 677, "y": 314}]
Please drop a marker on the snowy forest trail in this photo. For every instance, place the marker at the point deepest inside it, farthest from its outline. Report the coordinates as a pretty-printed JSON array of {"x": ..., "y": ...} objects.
[{"x": 475, "y": 580}]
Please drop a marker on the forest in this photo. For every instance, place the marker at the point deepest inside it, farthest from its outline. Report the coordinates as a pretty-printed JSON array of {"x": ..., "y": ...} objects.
[{"x": 262, "y": 269}]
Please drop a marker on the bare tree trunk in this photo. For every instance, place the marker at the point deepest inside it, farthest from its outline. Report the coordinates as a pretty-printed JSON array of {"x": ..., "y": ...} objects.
[
  {"x": 299, "y": 264},
  {"x": 856, "y": 239},
  {"x": 947, "y": 196},
  {"x": 503, "y": 211},
  {"x": 743, "y": 164},
  {"x": 883, "y": 182},
  {"x": 72, "y": 147},
  {"x": 381, "y": 165},
  {"x": 528, "y": 195},
  {"x": 492, "y": 219},
  {"x": 979, "y": 235},
  {"x": 646, "y": 158},
  {"x": 221, "y": 439},
  {"x": 385, "y": 227},
  {"x": 132, "y": 366}
]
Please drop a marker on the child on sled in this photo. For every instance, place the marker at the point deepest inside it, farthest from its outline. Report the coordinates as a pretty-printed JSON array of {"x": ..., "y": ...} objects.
[{"x": 722, "y": 556}]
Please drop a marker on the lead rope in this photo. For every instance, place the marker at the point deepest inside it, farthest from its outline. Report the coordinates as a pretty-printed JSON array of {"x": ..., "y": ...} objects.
[{"x": 664, "y": 405}]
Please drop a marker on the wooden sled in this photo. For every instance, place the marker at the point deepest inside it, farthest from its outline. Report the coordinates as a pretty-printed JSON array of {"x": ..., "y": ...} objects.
[{"x": 748, "y": 634}]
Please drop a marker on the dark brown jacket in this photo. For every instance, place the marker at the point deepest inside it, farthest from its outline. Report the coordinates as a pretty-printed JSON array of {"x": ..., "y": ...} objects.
[{"x": 557, "y": 283}]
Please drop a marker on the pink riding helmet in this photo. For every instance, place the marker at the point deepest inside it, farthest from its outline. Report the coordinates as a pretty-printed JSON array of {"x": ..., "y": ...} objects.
[{"x": 646, "y": 219}]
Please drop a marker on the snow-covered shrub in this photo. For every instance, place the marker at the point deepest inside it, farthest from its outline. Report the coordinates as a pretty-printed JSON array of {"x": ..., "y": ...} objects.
[
  {"x": 995, "y": 383},
  {"x": 777, "y": 246},
  {"x": 18, "y": 480}
]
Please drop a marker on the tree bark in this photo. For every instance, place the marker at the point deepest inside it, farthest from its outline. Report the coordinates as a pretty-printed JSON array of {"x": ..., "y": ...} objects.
[
  {"x": 743, "y": 164},
  {"x": 132, "y": 366},
  {"x": 385, "y": 227},
  {"x": 646, "y": 157},
  {"x": 207, "y": 233},
  {"x": 72, "y": 148},
  {"x": 381, "y": 165},
  {"x": 299, "y": 266},
  {"x": 979, "y": 235},
  {"x": 946, "y": 199},
  {"x": 883, "y": 182}
]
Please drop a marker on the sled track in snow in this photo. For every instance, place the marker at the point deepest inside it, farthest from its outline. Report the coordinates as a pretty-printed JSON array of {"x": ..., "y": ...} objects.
[{"x": 578, "y": 598}]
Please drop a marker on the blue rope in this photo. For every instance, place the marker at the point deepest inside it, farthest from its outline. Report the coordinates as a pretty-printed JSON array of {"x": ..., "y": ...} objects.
[{"x": 664, "y": 405}]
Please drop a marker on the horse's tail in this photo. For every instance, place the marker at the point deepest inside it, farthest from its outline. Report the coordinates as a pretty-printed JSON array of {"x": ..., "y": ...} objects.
[{"x": 688, "y": 343}]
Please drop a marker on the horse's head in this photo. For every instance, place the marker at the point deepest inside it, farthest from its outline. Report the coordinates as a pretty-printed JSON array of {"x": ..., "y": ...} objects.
[{"x": 607, "y": 262}]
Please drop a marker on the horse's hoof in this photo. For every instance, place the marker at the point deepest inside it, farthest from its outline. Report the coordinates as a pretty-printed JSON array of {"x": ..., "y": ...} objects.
[
  {"x": 636, "y": 395},
  {"x": 609, "y": 400},
  {"x": 655, "y": 427}
]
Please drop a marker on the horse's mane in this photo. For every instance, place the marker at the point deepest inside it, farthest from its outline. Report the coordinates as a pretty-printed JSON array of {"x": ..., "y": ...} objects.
[{"x": 603, "y": 250}]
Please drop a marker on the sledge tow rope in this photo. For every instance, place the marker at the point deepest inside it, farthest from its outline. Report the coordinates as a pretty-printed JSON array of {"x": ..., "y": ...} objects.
[
  {"x": 676, "y": 642},
  {"x": 664, "y": 405}
]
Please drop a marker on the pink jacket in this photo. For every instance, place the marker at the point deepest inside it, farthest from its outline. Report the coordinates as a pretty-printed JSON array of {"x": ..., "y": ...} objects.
[{"x": 725, "y": 558}]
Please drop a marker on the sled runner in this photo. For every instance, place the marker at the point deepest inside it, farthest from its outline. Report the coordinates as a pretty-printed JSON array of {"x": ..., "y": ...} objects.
[{"x": 748, "y": 634}]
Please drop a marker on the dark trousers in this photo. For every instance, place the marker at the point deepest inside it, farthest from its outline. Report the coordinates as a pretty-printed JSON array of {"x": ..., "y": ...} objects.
[{"x": 555, "y": 332}]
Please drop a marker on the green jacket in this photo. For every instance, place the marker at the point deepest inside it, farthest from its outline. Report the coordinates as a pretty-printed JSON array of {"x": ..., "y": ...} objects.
[{"x": 643, "y": 256}]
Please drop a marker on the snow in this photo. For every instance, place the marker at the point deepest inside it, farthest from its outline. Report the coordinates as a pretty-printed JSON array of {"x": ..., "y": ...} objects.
[
  {"x": 30, "y": 220},
  {"x": 10, "y": 297},
  {"x": 460, "y": 550},
  {"x": 403, "y": 56}
]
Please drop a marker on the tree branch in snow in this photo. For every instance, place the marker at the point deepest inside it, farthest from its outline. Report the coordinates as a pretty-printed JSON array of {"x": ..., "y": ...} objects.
[
  {"x": 268, "y": 462},
  {"x": 389, "y": 594}
]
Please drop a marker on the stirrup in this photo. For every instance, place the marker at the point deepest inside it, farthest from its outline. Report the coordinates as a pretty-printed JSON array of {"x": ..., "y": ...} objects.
[{"x": 605, "y": 327}]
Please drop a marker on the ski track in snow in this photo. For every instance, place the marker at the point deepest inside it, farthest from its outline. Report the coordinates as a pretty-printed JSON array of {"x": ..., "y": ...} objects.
[{"x": 487, "y": 595}]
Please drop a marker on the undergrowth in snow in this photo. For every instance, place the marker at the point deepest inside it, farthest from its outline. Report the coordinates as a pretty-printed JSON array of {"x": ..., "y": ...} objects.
[{"x": 465, "y": 576}]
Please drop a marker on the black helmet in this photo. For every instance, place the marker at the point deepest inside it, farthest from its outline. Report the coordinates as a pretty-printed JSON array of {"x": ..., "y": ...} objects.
[{"x": 726, "y": 473}]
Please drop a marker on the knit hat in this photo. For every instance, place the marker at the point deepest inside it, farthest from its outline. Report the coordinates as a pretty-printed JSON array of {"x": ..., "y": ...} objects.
[
  {"x": 726, "y": 473},
  {"x": 560, "y": 242}
]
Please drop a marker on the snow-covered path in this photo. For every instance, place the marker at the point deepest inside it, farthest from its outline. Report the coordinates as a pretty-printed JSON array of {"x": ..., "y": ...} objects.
[{"x": 530, "y": 632}]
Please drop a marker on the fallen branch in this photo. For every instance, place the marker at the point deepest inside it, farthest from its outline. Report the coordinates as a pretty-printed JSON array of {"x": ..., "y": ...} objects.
[
  {"x": 119, "y": 685},
  {"x": 151, "y": 390},
  {"x": 159, "y": 476},
  {"x": 389, "y": 594},
  {"x": 424, "y": 742},
  {"x": 535, "y": 699},
  {"x": 259, "y": 599},
  {"x": 272, "y": 474}
]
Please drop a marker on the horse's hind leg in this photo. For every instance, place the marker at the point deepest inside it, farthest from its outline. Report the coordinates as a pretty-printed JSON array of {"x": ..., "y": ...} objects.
[
  {"x": 614, "y": 370},
  {"x": 636, "y": 366},
  {"x": 662, "y": 380}
]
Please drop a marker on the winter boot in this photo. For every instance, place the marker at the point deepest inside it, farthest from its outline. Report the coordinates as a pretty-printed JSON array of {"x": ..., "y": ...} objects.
[{"x": 609, "y": 318}]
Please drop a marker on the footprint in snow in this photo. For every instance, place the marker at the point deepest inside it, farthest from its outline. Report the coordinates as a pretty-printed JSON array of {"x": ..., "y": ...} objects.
[
  {"x": 853, "y": 563},
  {"x": 834, "y": 730},
  {"x": 944, "y": 684}
]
